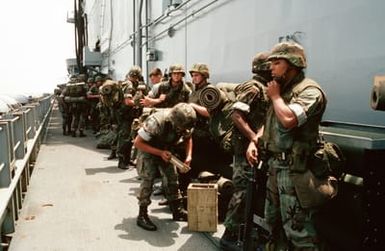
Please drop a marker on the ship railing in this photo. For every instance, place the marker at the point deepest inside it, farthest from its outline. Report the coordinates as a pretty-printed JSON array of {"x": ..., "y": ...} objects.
[{"x": 21, "y": 134}]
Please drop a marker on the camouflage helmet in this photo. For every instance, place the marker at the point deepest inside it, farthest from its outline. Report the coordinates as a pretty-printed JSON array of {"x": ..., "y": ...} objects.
[
  {"x": 98, "y": 78},
  {"x": 292, "y": 52},
  {"x": 260, "y": 62},
  {"x": 90, "y": 80},
  {"x": 176, "y": 68},
  {"x": 134, "y": 72},
  {"x": 200, "y": 68},
  {"x": 183, "y": 116}
]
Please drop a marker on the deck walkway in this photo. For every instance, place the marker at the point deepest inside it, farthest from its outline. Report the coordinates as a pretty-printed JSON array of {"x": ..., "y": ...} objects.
[{"x": 79, "y": 200}]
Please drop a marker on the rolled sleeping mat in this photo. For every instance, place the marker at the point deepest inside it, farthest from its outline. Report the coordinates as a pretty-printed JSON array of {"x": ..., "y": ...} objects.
[
  {"x": 377, "y": 101},
  {"x": 211, "y": 97},
  {"x": 225, "y": 186},
  {"x": 227, "y": 87},
  {"x": 74, "y": 99}
]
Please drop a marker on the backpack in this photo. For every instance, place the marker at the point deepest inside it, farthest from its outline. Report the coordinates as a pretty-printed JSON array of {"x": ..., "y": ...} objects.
[{"x": 76, "y": 89}]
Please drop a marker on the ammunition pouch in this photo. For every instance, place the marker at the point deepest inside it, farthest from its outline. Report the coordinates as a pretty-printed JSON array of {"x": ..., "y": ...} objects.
[
  {"x": 312, "y": 191},
  {"x": 314, "y": 173}
]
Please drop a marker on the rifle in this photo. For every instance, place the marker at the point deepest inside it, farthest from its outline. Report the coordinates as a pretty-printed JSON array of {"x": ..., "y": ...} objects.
[{"x": 255, "y": 191}]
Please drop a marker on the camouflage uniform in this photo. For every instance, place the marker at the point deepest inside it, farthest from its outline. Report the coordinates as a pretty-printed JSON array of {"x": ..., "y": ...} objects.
[
  {"x": 288, "y": 150},
  {"x": 111, "y": 99},
  {"x": 93, "y": 103},
  {"x": 174, "y": 94},
  {"x": 75, "y": 97},
  {"x": 251, "y": 103},
  {"x": 203, "y": 141},
  {"x": 125, "y": 117},
  {"x": 161, "y": 130},
  {"x": 65, "y": 112}
]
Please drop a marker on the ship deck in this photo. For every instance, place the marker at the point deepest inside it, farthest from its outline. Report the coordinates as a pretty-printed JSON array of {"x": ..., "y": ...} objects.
[{"x": 79, "y": 200}]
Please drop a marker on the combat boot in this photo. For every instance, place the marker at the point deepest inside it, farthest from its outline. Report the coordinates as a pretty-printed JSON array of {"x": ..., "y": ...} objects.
[
  {"x": 178, "y": 212},
  {"x": 81, "y": 134},
  {"x": 229, "y": 241},
  {"x": 144, "y": 221},
  {"x": 112, "y": 155},
  {"x": 122, "y": 164},
  {"x": 73, "y": 133}
]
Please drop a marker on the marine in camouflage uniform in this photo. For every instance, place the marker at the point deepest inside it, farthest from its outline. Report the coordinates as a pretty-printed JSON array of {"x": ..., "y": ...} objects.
[
  {"x": 64, "y": 110},
  {"x": 171, "y": 92},
  {"x": 129, "y": 110},
  {"x": 93, "y": 100},
  {"x": 156, "y": 141},
  {"x": 204, "y": 144},
  {"x": 290, "y": 135},
  {"x": 248, "y": 116},
  {"x": 111, "y": 97},
  {"x": 75, "y": 97}
]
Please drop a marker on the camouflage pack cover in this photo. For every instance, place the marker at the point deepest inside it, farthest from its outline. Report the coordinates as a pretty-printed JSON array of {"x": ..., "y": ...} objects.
[
  {"x": 292, "y": 52},
  {"x": 200, "y": 68},
  {"x": 76, "y": 89},
  {"x": 176, "y": 68},
  {"x": 111, "y": 93},
  {"x": 260, "y": 62}
]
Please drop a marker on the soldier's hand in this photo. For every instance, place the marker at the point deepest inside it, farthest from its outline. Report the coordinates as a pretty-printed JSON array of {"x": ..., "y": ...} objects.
[
  {"x": 188, "y": 160},
  {"x": 166, "y": 156},
  {"x": 273, "y": 89},
  {"x": 146, "y": 102},
  {"x": 252, "y": 154}
]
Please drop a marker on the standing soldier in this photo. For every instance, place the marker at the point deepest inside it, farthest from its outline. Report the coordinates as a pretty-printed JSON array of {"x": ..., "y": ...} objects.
[
  {"x": 111, "y": 97},
  {"x": 172, "y": 92},
  {"x": 289, "y": 138},
  {"x": 156, "y": 141},
  {"x": 75, "y": 96},
  {"x": 248, "y": 116},
  {"x": 93, "y": 100},
  {"x": 203, "y": 141},
  {"x": 64, "y": 110},
  {"x": 129, "y": 109}
]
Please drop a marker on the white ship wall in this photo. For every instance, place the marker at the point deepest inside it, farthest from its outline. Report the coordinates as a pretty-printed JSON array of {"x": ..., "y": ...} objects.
[{"x": 344, "y": 42}]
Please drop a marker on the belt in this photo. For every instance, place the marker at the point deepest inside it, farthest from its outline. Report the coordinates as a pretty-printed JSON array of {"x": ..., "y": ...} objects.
[{"x": 283, "y": 156}]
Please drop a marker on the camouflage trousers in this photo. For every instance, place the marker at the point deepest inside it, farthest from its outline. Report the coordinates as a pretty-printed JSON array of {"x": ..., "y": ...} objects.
[
  {"x": 124, "y": 141},
  {"x": 242, "y": 174},
  {"x": 66, "y": 121},
  {"x": 148, "y": 166},
  {"x": 78, "y": 121},
  {"x": 291, "y": 224}
]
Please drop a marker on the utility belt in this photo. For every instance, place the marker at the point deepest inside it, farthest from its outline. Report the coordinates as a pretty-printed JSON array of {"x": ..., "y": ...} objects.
[{"x": 282, "y": 156}]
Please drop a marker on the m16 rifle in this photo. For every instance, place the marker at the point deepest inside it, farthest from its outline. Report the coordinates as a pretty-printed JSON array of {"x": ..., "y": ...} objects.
[{"x": 256, "y": 230}]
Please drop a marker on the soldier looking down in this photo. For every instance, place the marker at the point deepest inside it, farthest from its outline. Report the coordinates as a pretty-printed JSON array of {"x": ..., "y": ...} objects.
[{"x": 156, "y": 141}]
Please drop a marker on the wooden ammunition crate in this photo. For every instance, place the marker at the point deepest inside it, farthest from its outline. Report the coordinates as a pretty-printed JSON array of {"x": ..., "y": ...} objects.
[{"x": 202, "y": 206}]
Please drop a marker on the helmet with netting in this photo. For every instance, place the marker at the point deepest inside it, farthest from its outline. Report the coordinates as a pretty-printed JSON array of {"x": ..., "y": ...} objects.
[
  {"x": 260, "y": 62},
  {"x": 183, "y": 116},
  {"x": 292, "y": 52},
  {"x": 135, "y": 72},
  {"x": 200, "y": 68},
  {"x": 176, "y": 68}
]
